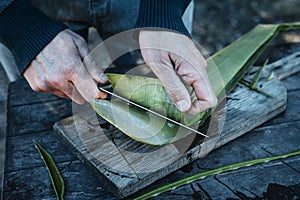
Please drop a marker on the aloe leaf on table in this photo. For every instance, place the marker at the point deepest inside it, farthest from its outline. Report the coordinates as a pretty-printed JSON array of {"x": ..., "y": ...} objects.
[
  {"x": 225, "y": 69},
  {"x": 56, "y": 178},
  {"x": 216, "y": 171}
]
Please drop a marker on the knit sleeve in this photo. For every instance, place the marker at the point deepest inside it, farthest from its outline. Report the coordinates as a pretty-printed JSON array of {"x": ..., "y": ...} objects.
[
  {"x": 162, "y": 14},
  {"x": 26, "y": 31}
]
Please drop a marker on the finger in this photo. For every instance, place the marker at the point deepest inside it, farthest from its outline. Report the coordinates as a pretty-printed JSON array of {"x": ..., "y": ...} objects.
[
  {"x": 161, "y": 65},
  {"x": 60, "y": 94},
  {"x": 65, "y": 89},
  {"x": 71, "y": 92},
  {"x": 86, "y": 86},
  {"x": 32, "y": 76},
  {"x": 199, "y": 106},
  {"x": 89, "y": 62},
  {"x": 31, "y": 79},
  {"x": 205, "y": 95},
  {"x": 175, "y": 89},
  {"x": 196, "y": 77},
  {"x": 94, "y": 70}
]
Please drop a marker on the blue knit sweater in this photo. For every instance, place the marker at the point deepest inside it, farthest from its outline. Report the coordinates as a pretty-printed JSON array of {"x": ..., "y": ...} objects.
[{"x": 26, "y": 31}]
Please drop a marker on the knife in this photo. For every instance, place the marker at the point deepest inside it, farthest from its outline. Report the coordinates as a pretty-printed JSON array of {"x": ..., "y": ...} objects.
[{"x": 151, "y": 111}]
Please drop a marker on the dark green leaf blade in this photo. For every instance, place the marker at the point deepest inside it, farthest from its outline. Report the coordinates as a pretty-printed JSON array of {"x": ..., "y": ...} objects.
[
  {"x": 56, "y": 178},
  {"x": 202, "y": 175}
]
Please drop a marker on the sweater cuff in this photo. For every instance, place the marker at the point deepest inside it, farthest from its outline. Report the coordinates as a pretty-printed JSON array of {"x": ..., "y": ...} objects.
[
  {"x": 165, "y": 14},
  {"x": 26, "y": 31}
]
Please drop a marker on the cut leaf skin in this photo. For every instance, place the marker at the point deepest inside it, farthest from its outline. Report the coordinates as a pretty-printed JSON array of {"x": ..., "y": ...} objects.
[
  {"x": 150, "y": 93},
  {"x": 137, "y": 124},
  {"x": 56, "y": 179},
  {"x": 202, "y": 175},
  {"x": 225, "y": 69}
]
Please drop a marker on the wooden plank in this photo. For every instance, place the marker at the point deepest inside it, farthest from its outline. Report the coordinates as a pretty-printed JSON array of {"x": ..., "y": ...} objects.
[
  {"x": 3, "y": 116},
  {"x": 34, "y": 183},
  {"x": 82, "y": 184},
  {"x": 293, "y": 163},
  {"x": 20, "y": 93},
  {"x": 287, "y": 70},
  {"x": 285, "y": 67},
  {"x": 247, "y": 110},
  {"x": 292, "y": 83},
  {"x": 285, "y": 134},
  {"x": 36, "y": 117},
  {"x": 21, "y": 150},
  {"x": 258, "y": 143},
  {"x": 208, "y": 188},
  {"x": 273, "y": 140},
  {"x": 292, "y": 112},
  {"x": 278, "y": 51},
  {"x": 264, "y": 174},
  {"x": 219, "y": 190},
  {"x": 123, "y": 162}
]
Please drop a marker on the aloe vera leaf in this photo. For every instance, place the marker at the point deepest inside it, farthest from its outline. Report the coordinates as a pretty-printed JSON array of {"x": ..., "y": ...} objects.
[
  {"x": 245, "y": 83},
  {"x": 56, "y": 179},
  {"x": 148, "y": 92},
  {"x": 135, "y": 123},
  {"x": 258, "y": 75},
  {"x": 231, "y": 63},
  {"x": 203, "y": 175},
  {"x": 144, "y": 91}
]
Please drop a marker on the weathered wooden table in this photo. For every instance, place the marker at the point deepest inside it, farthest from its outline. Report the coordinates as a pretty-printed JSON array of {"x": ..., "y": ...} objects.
[{"x": 31, "y": 117}]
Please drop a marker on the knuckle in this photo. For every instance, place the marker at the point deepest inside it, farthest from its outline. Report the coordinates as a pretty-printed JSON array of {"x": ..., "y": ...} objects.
[
  {"x": 35, "y": 88},
  {"x": 73, "y": 76},
  {"x": 214, "y": 102},
  {"x": 68, "y": 71},
  {"x": 204, "y": 63},
  {"x": 55, "y": 82},
  {"x": 43, "y": 87},
  {"x": 80, "y": 39},
  {"x": 93, "y": 65}
]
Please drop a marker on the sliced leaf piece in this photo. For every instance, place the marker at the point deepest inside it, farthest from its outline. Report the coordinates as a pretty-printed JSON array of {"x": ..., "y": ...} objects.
[
  {"x": 141, "y": 126},
  {"x": 56, "y": 179},
  {"x": 258, "y": 75},
  {"x": 202, "y": 175},
  {"x": 225, "y": 69}
]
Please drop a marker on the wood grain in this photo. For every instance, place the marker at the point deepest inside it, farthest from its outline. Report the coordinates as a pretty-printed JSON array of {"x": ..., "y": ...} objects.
[
  {"x": 278, "y": 135},
  {"x": 128, "y": 166}
]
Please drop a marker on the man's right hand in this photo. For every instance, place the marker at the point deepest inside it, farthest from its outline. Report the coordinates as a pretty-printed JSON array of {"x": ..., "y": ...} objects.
[{"x": 65, "y": 68}]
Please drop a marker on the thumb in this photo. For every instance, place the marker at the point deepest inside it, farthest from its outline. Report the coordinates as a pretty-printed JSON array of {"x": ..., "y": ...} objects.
[
  {"x": 94, "y": 69},
  {"x": 174, "y": 87},
  {"x": 89, "y": 62}
]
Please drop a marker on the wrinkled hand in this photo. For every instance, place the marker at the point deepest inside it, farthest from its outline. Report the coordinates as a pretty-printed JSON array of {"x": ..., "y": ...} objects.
[
  {"x": 65, "y": 68},
  {"x": 176, "y": 61}
]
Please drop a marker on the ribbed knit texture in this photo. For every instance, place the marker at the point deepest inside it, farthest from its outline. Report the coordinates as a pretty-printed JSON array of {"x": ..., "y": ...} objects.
[
  {"x": 162, "y": 14},
  {"x": 26, "y": 31},
  {"x": 4, "y": 4}
]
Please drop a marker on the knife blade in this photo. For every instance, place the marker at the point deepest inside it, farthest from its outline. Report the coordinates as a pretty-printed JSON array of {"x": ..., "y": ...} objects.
[{"x": 151, "y": 111}]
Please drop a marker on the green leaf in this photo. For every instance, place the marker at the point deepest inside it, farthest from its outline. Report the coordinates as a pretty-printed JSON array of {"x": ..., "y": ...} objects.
[
  {"x": 56, "y": 179},
  {"x": 258, "y": 75},
  {"x": 225, "y": 69},
  {"x": 214, "y": 172},
  {"x": 245, "y": 83}
]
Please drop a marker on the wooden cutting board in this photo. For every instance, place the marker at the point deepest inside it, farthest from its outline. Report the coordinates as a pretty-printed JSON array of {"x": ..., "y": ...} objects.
[{"x": 125, "y": 166}]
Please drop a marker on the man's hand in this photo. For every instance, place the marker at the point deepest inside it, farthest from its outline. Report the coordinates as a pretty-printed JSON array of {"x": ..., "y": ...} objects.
[
  {"x": 65, "y": 68},
  {"x": 176, "y": 61}
]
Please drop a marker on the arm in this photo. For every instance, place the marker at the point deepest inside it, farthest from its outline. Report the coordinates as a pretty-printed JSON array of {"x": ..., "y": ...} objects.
[
  {"x": 172, "y": 55},
  {"x": 26, "y": 31},
  {"x": 165, "y": 14},
  {"x": 51, "y": 57}
]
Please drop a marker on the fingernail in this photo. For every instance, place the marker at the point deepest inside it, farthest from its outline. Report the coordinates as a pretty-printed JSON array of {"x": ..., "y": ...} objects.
[
  {"x": 103, "y": 77},
  {"x": 182, "y": 105}
]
